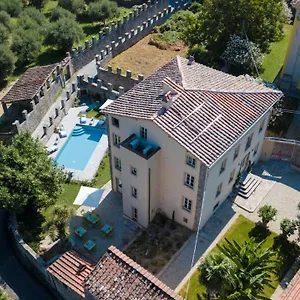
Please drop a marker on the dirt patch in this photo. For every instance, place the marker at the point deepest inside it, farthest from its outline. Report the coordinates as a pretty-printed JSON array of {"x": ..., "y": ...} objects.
[
  {"x": 156, "y": 246},
  {"x": 145, "y": 59}
]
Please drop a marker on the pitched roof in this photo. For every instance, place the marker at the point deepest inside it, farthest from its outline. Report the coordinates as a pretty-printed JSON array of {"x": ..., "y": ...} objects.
[
  {"x": 292, "y": 291},
  {"x": 28, "y": 84},
  {"x": 72, "y": 268},
  {"x": 212, "y": 110},
  {"x": 117, "y": 276}
]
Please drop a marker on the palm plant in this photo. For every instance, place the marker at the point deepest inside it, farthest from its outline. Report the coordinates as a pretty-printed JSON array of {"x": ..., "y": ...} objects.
[
  {"x": 58, "y": 226},
  {"x": 215, "y": 272},
  {"x": 253, "y": 268}
]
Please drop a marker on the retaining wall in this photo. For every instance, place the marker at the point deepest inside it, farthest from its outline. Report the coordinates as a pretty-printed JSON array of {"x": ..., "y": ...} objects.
[{"x": 125, "y": 33}]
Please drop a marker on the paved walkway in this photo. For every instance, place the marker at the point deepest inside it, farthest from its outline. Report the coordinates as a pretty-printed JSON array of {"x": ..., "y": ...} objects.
[{"x": 284, "y": 195}]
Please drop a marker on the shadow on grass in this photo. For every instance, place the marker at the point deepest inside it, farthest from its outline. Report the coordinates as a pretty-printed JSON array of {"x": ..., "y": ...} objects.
[
  {"x": 30, "y": 225},
  {"x": 259, "y": 233},
  {"x": 287, "y": 254},
  {"x": 50, "y": 56}
]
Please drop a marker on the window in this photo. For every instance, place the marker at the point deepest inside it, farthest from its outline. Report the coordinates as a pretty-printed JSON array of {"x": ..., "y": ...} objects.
[
  {"x": 249, "y": 140},
  {"x": 134, "y": 192},
  {"x": 117, "y": 140},
  {"x": 231, "y": 176},
  {"x": 134, "y": 214},
  {"x": 133, "y": 171},
  {"x": 256, "y": 148},
  {"x": 143, "y": 133},
  {"x": 190, "y": 161},
  {"x": 223, "y": 166},
  {"x": 187, "y": 204},
  {"x": 262, "y": 125},
  {"x": 189, "y": 180},
  {"x": 115, "y": 122},
  {"x": 219, "y": 189},
  {"x": 216, "y": 206},
  {"x": 185, "y": 220},
  {"x": 236, "y": 152},
  {"x": 118, "y": 164}
]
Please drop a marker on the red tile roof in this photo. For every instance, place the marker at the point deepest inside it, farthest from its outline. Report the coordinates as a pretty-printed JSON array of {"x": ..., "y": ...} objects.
[
  {"x": 71, "y": 269},
  {"x": 116, "y": 276},
  {"x": 28, "y": 85},
  {"x": 213, "y": 109},
  {"x": 292, "y": 292}
]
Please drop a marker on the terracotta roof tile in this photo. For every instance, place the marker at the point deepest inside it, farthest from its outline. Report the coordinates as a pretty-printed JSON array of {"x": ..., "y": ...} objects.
[
  {"x": 292, "y": 292},
  {"x": 211, "y": 111},
  {"x": 116, "y": 276},
  {"x": 72, "y": 268},
  {"x": 28, "y": 84}
]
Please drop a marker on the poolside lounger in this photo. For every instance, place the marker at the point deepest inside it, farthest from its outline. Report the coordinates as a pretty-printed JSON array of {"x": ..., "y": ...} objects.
[
  {"x": 62, "y": 133},
  {"x": 89, "y": 245},
  {"x": 80, "y": 231},
  {"x": 52, "y": 149}
]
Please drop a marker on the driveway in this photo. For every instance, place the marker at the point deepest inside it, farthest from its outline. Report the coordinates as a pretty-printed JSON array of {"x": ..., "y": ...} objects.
[{"x": 22, "y": 285}]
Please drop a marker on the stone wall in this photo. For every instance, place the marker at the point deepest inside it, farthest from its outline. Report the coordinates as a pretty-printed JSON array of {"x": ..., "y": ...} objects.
[
  {"x": 125, "y": 33},
  {"x": 295, "y": 159},
  {"x": 55, "y": 110},
  {"x": 31, "y": 260},
  {"x": 117, "y": 78},
  {"x": 98, "y": 89}
]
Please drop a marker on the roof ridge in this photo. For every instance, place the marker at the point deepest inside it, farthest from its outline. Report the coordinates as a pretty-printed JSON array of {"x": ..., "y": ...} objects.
[
  {"x": 180, "y": 70},
  {"x": 236, "y": 92},
  {"x": 159, "y": 284}
]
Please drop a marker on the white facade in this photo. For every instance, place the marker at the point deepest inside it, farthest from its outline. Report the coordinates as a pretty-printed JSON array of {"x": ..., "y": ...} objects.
[{"x": 158, "y": 182}]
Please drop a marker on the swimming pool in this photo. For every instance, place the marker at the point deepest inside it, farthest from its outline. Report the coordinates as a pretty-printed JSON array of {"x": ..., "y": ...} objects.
[{"x": 79, "y": 147}]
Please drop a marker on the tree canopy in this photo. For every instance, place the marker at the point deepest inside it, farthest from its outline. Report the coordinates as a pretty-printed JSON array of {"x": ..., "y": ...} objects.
[
  {"x": 6, "y": 62},
  {"x": 12, "y": 7},
  {"x": 64, "y": 33},
  {"x": 28, "y": 178},
  {"x": 101, "y": 10},
  {"x": 75, "y": 6},
  {"x": 217, "y": 20}
]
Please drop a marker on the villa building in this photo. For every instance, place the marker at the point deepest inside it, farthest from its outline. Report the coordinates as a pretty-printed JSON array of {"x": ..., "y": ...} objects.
[
  {"x": 179, "y": 139},
  {"x": 290, "y": 73}
]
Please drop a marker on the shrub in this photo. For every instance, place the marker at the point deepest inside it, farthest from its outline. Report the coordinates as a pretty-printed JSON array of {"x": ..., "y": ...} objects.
[
  {"x": 64, "y": 33},
  {"x": 177, "y": 22},
  {"x": 6, "y": 62},
  {"x": 267, "y": 213},
  {"x": 287, "y": 227},
  {"x": 59, "y": 12},
  {"x": 102, "y": 10},
  {"x": 38, "y": 3}
]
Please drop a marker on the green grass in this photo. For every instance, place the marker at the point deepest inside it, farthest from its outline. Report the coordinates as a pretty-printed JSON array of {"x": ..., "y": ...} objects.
[
  {"x": 92, "y": 113},
  {"x": 274, "y": 60},
  {"x": 49, "y": 6},
  {"x": 241, "y": 231},
  {"x": 103, "y": 173}
]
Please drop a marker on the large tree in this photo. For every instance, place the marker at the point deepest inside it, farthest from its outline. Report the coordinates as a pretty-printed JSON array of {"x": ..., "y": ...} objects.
[
  {"x": 64, "y": 33},
  {"x": 219, "y": 19},
  {"x": 100, "y": 11},
  {"x": 7, "y": 63},
  {"x": 28, "y": 177}
]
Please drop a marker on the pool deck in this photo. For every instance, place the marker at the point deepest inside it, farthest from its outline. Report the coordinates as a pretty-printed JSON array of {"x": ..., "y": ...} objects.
[{"x": 69, "y": 122}]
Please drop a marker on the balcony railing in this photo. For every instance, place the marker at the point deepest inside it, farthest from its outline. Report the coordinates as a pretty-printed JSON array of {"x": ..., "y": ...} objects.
[{"x": 140, "y": 146}]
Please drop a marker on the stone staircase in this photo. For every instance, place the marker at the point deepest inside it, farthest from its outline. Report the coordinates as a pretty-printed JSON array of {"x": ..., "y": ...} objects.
[{"x": 248, "y": 186}]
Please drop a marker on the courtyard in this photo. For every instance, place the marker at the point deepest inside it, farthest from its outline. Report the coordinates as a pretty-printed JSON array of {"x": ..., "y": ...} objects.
[{"x": 283, "y": 194}]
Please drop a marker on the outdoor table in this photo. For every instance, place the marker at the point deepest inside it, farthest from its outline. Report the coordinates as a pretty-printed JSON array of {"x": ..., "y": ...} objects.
[
  {"x": 87, "y": 215},
  {"x": 89, "y": 245},
  {"x": 106, "y": 229},
  {"x": 93, "y": 219},
  {"x": 80, "y": 231}
]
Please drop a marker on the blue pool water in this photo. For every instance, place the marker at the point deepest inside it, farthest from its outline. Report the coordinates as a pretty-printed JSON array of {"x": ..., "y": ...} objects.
[{"x": 79, "y": 147}]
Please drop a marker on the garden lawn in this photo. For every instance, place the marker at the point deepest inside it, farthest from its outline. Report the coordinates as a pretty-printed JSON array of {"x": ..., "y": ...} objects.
[
  {"x": 241, "y": 231},
  {"x": 274, "y": 60}
]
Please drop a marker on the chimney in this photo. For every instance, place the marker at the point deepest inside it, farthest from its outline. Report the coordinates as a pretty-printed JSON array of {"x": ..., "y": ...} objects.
[{"x": 191, "y": 60}]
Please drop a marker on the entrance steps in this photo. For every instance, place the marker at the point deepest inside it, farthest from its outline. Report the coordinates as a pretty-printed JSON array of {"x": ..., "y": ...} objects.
[{"x": 248, "y": 186}]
